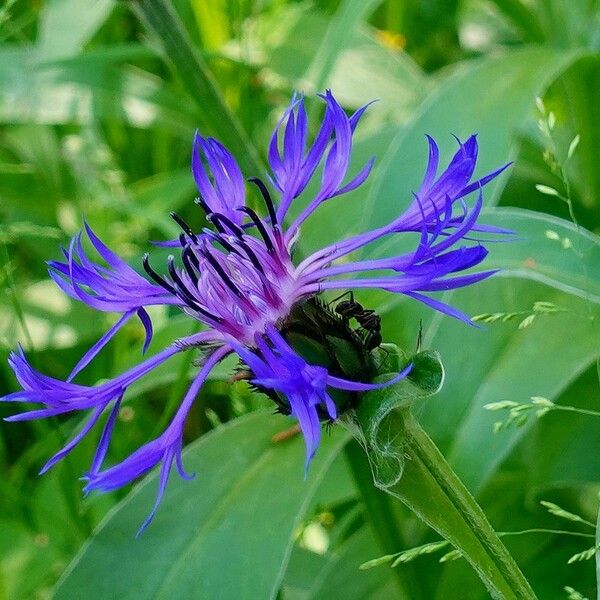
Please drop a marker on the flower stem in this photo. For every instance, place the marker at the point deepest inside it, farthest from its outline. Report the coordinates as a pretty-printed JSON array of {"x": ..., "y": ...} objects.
[
  {"x": 381, "y": 517},
  {"x": 432, "y": 490},
  {"x": 406, "y": 464}
]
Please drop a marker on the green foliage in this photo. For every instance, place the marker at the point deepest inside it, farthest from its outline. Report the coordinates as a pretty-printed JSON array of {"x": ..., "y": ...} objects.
[
  {"x": 97, "y": 112},
  {"x": 201, "y": 528},
  {"x": 518, "y": 414}
]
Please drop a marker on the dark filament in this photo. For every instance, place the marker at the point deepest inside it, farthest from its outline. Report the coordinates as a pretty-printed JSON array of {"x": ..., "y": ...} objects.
[
  {"x": 201, "y": 202},
  {"x": 184, "y": 226},
  {"x": 187, "y": 265},
  {"x": 231, "y": 248},
  {"x": 156, "y": 277},
  {"x": 252, "y": 256},
  {"x": 193, "y": 258},
  {"x": 219, "y": 269},
  {"x": 259, "y": 225},
  {"x": 219, "y": 220},
  {"x": 266, "y": 197},
  {"x": 221, "y": 240},
  {"x": 184, "y": 294}
]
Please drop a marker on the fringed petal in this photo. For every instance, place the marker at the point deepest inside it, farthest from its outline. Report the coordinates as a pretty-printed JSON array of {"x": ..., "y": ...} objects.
[
  {"x": 226, "y": 192},
  {"x": 164, "y": 450}
]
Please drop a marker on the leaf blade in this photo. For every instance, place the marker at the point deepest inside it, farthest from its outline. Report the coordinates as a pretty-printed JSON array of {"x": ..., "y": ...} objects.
[{"x": 237, "y": 499}]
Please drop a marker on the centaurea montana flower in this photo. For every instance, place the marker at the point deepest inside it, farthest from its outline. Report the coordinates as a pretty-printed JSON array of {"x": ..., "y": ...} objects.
[{"x": 239, "y": 279}]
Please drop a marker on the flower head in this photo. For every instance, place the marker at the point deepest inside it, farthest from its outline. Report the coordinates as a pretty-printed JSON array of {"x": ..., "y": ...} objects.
[{"x": 238, "y": 277}]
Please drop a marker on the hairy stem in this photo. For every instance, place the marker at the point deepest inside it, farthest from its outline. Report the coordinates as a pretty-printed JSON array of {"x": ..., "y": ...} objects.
[
  {"x": 433, "y": 491},
  {"x": 380, "y": 516}
]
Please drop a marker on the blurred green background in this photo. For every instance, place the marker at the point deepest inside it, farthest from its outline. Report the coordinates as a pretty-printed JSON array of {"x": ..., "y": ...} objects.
[{"x": 99, "y": 101}]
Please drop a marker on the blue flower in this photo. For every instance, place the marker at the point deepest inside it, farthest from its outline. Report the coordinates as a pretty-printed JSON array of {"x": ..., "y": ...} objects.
[{"x": 237, "y": 276}]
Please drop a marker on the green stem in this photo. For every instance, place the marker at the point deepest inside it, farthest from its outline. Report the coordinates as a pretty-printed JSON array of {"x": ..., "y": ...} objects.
[
  {"x": 160, "y": 18},
  {"x": 380, "y": 516},
  {"x": 545, "y": 531},
  {"x": 432, "y": 490},
  {"x": 574, "y": 409}
]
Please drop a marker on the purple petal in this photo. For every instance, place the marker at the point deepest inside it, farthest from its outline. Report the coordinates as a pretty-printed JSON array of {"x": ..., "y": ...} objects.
[
  {"x": 74, "y": 441},
  {"x": 432, "y": 165},
  {"x": 358, "y": 180},
  {"x": 163, "y": 449},
  {"x": 355, "y": 386},
  {"x": 226, "y": 193},
  {"x": 308, "y": 420},
  {"x": 457, "y": 282},
  {"x": 105, "y": 437},
  {"x": 147, "y": 323},
  {"x": 165, "y": 471},
  {"x": 481, "y": 182},
  {"x": 441, "y": 307},
  {"x": 97, "y": 347}
]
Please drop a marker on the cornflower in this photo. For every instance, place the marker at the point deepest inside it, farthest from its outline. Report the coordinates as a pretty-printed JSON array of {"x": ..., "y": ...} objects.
[{"x": 238, "y": 277}]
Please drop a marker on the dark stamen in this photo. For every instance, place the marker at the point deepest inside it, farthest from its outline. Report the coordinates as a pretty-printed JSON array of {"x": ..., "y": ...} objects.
[
  {"x": 184, "y": 294},
  {"x": 231, "y": 248},
  {"x": 252, "y": 256},
  {"x": 193, "y": 259},
  {"x": 184, "y": 226},
  {"x": 223, "y": 220},
  {"x": 221, "y": 240},
  {"x": 260, "y": 226},
  {"x": 181, "y": 288},
  {"x": 224, "y": 276},
  {"x": 156, "y": 277},
  {"x": 216, "y": 222},
  {"x": 187, "y": 265},
  {"x": 266, "y": 197},
  {"x": 201, "y": 202}
]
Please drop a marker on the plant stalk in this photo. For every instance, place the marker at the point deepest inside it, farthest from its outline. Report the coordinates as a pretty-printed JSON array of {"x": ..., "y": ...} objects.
[
  {"x": 431, "y": 489},
  {"x": 381, "y": 518}
]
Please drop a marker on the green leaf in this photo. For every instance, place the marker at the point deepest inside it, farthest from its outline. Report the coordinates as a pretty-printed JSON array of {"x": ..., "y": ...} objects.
[
  {"x": 522, "y": 17},
  {"x": 237, "y": 517},
  {"x": 289, "y": 46},
  {"x": 539, "y": 253},
  {"x": 302, "y": 573},
  {"x": 67, "y": 25},
  {"x": 341, "y": 578},
  {"x": 500, "y": 363},
  {"x": 568, "y": 24},
  {"x": 561, "y": 440},
  {"x": 490, "y": 97},
  {"x": 27, "y": 561},
  {"x": 338, "y": 37},
  {"x": 79, "y": 88},
  {"x": 576, "y": 135},
  {"x": 598, "y": 553},
  {"x": 12, "y": 232},
  {"x": 163, "y": 21},
  {"x": 573, "y": 97}
]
